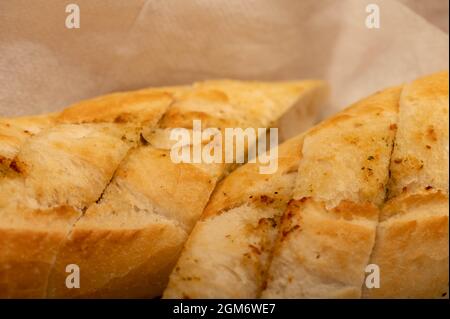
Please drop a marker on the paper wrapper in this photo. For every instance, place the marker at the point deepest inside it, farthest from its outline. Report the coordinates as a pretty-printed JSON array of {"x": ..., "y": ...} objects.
[{"x": 124, "y": 45}]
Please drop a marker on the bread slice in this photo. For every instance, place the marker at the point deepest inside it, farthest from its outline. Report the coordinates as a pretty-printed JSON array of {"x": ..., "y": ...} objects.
[
  {"x": 411, "y": 249},
  {"x": 54, "y": 177},
  {"x": 152, "y": 203},
  {"x": 15, "y": 131},
  {"x": 227, "y": 253},
  {"x": 36, "y": 216},
  {"x": 420, "y": 155},
  {"x": 328, "y": 230},
  {"x": 142, "y": 108}
]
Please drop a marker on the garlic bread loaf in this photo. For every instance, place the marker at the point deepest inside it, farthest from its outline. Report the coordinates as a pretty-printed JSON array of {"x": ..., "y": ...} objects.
[
  {"x": 366, "y": 189},
  {"x": 94, "y": 186}
]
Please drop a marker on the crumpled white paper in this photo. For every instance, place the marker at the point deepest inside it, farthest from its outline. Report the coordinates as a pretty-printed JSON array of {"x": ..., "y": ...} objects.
[{"x": 132, "y": 44}]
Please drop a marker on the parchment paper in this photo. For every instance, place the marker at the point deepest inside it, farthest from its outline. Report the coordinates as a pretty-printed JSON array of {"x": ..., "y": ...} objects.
[{"x": 132, "y": 44}]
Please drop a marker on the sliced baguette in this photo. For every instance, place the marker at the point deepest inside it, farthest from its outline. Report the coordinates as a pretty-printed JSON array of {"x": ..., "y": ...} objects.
[
  {"x": 53, "y": 178},
  {"x": 140, "y": 224}
]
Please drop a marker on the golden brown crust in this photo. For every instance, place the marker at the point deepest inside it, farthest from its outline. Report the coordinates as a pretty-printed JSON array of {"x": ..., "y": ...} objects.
[
  {"x": 228, "y": 103},
  {"x": 46, "y": 211},
  {"x": 142, "y": 107},
  {"x": 150, "y": 248},
  {"x": 29, "y": 241},
  {"x": 412, "y": 248},
  {"x": 135, "y": 212},
  {"x": 337, "y": 223}
]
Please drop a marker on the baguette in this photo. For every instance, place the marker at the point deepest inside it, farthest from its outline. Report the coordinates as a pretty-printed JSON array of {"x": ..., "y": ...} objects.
[
  {"x": 96, "y": 187},
  {"x": 367, "y": 187},
  {"x": 152, "y": 203}
]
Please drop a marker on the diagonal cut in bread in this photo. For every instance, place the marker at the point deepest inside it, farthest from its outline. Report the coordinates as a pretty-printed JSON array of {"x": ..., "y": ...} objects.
[
  {"x": 412, "y": 236},
  {"x": 53, "y": 178},
  {"x": 228, "y": 251}
]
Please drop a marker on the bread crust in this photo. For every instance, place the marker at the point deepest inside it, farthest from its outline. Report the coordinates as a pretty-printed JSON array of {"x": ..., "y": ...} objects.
[
  {"x": 412, "y": 248},
  {"x": 29, "y": 244}
]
